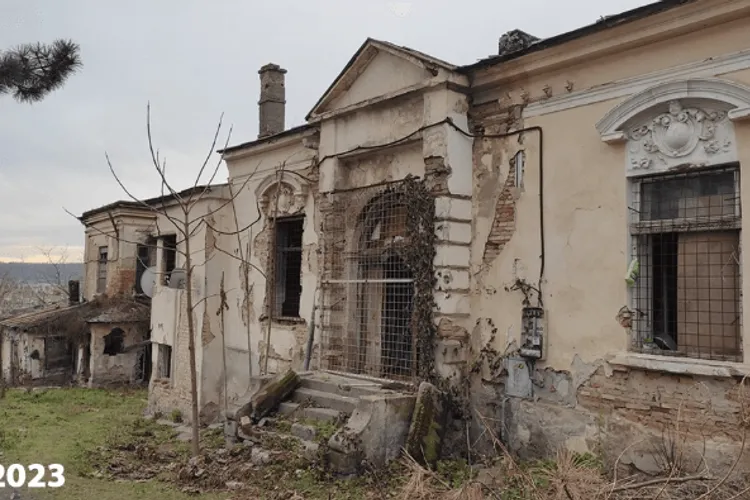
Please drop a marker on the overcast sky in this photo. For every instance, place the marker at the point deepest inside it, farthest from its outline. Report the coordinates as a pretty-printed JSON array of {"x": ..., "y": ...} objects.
[{"x": 193, "y": 60}]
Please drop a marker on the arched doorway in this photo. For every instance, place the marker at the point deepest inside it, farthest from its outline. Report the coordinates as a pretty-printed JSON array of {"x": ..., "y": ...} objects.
[{"x": 385, "y": 290}]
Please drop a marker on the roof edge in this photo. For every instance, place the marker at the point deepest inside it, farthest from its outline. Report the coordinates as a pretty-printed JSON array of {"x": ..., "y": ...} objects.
[
  {"x": 131, "y": 204},
  {"x": 266, "y": 140},
  {"x": 607, "y": 22}
]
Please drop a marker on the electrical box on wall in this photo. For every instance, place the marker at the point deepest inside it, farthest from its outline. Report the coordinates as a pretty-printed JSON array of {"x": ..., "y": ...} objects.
[{"x": 532, "y": 333}]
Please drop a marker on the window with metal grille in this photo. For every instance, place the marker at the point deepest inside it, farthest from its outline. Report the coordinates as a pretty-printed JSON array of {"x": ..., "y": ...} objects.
[
  {"x": 686, "y": 236},
  {"x": 288, "y": 267},
  {"x": 101, "y": 270}
]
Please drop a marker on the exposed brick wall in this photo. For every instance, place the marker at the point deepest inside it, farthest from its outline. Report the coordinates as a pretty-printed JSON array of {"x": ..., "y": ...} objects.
[
  {"x": 495, "y": 118},
  {"x": 120, "y": 279},
  {"x": 168, "y": 394},
  {"x": 504, "y": 222},
  {"x": 703, "y": 406}
]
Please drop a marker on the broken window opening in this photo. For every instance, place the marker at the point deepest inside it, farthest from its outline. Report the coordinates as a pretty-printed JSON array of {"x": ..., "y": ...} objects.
[
  {"x": 101, "y": 272},
  {"x": 169, "y": 257},
  {"x": 165, "y": 361},
  {"x": 114, "y": 342},
  {"x": 288, "y": 267},
  {"x": 58, "y": 353},
  {"x": 686, "y": 238}
]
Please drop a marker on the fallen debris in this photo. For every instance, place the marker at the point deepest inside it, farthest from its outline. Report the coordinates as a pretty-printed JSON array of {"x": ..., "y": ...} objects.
[{"x": 271, "y": 395}]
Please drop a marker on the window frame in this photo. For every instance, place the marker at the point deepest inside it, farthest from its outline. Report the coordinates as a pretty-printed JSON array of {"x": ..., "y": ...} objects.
[
  {"x": 102, "y": 262},
  {"x": 278, "y": 293},
  {"x": 164, "y": 370},
  {"x": 640, "y": 230},
  {"x": 169, "y": 257}
]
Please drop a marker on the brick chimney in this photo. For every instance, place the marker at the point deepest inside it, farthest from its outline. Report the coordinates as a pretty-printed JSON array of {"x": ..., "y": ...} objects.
[
  {"x": 272, "y": 100},
  {"x": 74, "y": 292}
]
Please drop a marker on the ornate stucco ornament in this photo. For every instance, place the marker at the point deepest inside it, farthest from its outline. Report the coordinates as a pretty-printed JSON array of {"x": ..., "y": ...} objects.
[{"x": 677, "y": 134}]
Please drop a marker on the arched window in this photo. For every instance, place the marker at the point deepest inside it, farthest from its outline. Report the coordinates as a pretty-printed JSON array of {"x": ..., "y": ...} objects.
[{"x": 682, "y": 167}]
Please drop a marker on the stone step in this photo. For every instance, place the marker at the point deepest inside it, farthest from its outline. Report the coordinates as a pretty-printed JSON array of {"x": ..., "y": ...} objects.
[
  {"x": 340, "y": 385},
  {"x": 325, "y": 399},
  {"x": 288, "y": 408},
  {"x": 322, "y": 414}
]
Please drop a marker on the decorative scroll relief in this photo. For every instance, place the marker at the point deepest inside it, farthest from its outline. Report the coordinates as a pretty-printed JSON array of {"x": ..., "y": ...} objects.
[
  {"x": 682, "y": 136},
  {"x": 282, "y": 199}
]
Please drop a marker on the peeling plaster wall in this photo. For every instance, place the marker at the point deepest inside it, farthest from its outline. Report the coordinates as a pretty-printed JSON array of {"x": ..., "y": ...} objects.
[
  {"x": 245, "y": 321},
  {"x": 575, "y": 398},
  {"x": 117, "y": 369},
  {"x": 17, "y": 349},
  {"x": 169, "y": 313}
]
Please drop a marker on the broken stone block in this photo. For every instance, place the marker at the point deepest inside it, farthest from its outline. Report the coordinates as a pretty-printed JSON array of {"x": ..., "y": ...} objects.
[
  {"x": 259, "y": 456},
  {"x": 427, "y": 428},
  {"x": 268, "y": 398},
  {"x": 375, "y": 432},
  {"x": 234, "y": 485},
  {"x": 304, "y": 432},
  {"x": 310, "y": 450},
  {"x": 246, "y": 424}
]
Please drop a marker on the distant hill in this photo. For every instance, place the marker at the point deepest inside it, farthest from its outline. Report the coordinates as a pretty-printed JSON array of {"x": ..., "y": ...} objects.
[{"x": 41, "y": 273}]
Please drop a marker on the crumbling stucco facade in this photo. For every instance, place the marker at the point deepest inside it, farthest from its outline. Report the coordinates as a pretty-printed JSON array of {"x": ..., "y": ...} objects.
[
  {"x": 583, "y": 105},
  {"x": 534, "y": 164}
]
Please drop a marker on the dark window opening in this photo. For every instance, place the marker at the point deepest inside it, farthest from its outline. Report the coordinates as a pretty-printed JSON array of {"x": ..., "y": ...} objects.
[
  {"x": 101, "y": 270},
  {"x": 664, "y": 248},
  {"x": 288, "y": 278},
  {"x": 165, "y": 361},
  {"x": 114, "y": 342},
  {"x": 58, "y": 353},
  {"x": 169, "y": 256}
]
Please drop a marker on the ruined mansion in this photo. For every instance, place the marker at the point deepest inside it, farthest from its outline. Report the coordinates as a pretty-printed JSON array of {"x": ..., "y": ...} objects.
[{"x": 552, "y": 235}]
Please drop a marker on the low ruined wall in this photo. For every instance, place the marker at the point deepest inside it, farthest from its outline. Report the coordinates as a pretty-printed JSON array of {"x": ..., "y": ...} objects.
[
  {"x": 614, "y": 411},
  {"x": 113, "y": 369}
]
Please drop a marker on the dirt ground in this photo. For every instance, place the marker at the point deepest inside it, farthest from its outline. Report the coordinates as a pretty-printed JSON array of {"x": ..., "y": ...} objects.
[{"x": 111, "y": 452}]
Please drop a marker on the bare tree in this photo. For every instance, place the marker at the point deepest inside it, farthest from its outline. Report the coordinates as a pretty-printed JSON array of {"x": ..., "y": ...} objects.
[
  {"x": 31, "y": 71},
  {"x": 55, "y": 281},
  {"x": 187, "y": 221}
]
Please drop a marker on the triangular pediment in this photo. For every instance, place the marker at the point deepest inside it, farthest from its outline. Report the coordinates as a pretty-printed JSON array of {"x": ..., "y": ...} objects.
[{"x": 378, "y": 69}]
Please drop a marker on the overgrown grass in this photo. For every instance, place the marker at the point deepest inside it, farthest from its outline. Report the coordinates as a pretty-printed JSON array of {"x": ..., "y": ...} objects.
[{"x": 65, "y": 426}]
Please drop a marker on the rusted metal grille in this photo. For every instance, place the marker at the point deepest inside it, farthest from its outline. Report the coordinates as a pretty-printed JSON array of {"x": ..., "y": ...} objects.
[
  {"x": 368, "y": 289},
  {"x": 685, "y": 230}
]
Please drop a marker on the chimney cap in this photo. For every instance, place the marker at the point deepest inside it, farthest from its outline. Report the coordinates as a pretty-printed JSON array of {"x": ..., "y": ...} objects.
[{"x": 271, "y": 67}]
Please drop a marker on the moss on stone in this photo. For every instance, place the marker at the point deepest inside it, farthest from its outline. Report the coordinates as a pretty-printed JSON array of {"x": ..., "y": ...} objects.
[{"x": 424, "y": 439}]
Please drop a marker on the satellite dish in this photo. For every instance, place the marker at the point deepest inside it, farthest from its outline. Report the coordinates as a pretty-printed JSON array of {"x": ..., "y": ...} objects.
[
  {"x": 177, "y": 278},
  {"x": 148, "y": 281}
]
